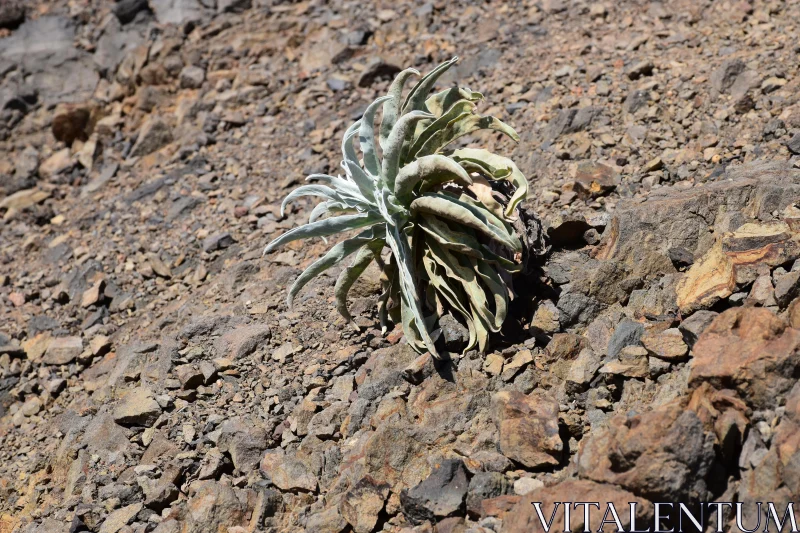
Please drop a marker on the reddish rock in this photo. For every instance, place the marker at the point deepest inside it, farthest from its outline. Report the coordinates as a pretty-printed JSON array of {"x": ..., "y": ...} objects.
[
  {"x": 523, "y": 518},
  {"x": 749, "y": 349},
  {"x": 528, "y": 428},
  {"x": 665, "y": 453}
]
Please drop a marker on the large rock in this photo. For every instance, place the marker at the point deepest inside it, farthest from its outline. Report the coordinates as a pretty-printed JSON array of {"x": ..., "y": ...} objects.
[
  {"x": 662, "y": 455},
  {"x": 750, "y": 349},
  {"x": 244, "y": 441},
  {"x": 361, "y": 505},
  {"x": 155, "y": 134},
  {"x": 440, "y": 495},
  {"x": 683, "y": 218},
  {"x": 287, "y": 472},
  {"x": 214, "y": 507},
  {"x": 178, "y": 12},
  {"x": 735, "y": 260},
  {"x": 773, "y": 474},
  {"x": 138, "y": 407},
  {"x": 528, "y": 428},
  {"x": 44, "y": 49},
  {"x": 63, "y": 350},
  {"x": 523, "y": 518}
]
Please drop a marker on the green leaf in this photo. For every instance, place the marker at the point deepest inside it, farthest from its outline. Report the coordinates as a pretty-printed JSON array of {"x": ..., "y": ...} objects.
[
  {"x": 440, "y": 232},
  {"x": 364, "y": 182},
  {"x": 350, "y": 274},
  {"x": 430, "y": 170},
  {"x": 460, "y": 110},
  {"x": 348, "y": 150},
  {"x": 346, "y": 189},
  {"x": 444, "y": 100},
  {"x": 309, "y": 190},
  {"x": 415, "y": 100},
  {"x": 463, "y": 213},
  {"x": 323, "y": 228},
  {"x": 497, "y": 288},
  {"x": 455, "y": 296},
  {"x": 391, "y": 108},
  {"x": 487, "y": 158},
  {"x": 335, "y": 255},
  {"x": 366, "y": 136},
  {"x": 326, "y": 208},
  {"x": 415, "y": 325},
  {"x": 394, "y": 145},
  {"x": 460, "y": 126}
]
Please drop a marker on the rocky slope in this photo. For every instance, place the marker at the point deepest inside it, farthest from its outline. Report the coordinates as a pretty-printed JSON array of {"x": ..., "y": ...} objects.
[{"x": 151, "y": 378}]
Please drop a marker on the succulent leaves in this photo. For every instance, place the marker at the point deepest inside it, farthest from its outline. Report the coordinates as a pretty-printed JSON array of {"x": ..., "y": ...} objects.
[{"x": 451, "y": 241}]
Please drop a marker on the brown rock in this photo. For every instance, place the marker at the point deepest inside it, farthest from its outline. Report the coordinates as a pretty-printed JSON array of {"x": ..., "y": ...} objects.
[
  {"x": 242, "y": 341},
  {"x": 159, "y": 267},
  {"x": 24, "y": 199},
  {"x": 523, "y": 518},
  {"x": 528, "y": 428},
  {"x": 72, "y": 122},
  {"x": 94, "y": 294},
  {"x": 498, "y": 507},
  {"x": 137, "y": 407},
  {"x": 750, "y": 349},
  {"x": 56, "y": 164},
  {"x": 594, "y": 179},
  {"x": 666, "y": 345},
  {"x": 546, "y": 318},
  {"x": 632, "y": 363},
  {"x": 361, "y": 505},
  {"x": 214, "y": 507},
  {"x": 287, "y": 472},
  {"x": 755, "y": 189},
  {"x": 662, "y": 454},
  {"x": 62, "y": 350},
  {"x": 735, "y": 259}
]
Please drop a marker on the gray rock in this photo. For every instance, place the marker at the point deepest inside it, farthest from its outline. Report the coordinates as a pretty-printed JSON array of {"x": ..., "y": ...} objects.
[
  {"x": 787, "y": 287},
  {"x": 693, "y": 326},
  {"x": 219, "y": 241},
  {"x": 244, "y": 441},
  {"x": 12, "y": 13},
  {"x": 178, "y": 12},
  {"x": 44, "y": 50},
  {"x": 635, "y": 100},
  {"x": 233, "y": 6},
  {"x": 571, "y": 121},
  {"x": 126, "y": 10},
  {"x": 723, "y": 78},
  {"x": 577, "y": 308},
  {"x": 192, "y": 77},
  {"x": 482, "y": 486},
  {"x": 155, "y": 134},
  {"x": 455, "y": 335},
  {"x": 440, "y": 495},
  {"x": 114, "y": 44},
  {"x": 63, "y": 350},
  {"x": 793, "y": 144},
  {"x": 627, "y": 333}
]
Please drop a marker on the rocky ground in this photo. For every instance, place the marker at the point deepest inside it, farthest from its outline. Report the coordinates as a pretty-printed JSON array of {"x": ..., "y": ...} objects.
[{"x": 152, "y": 379}]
